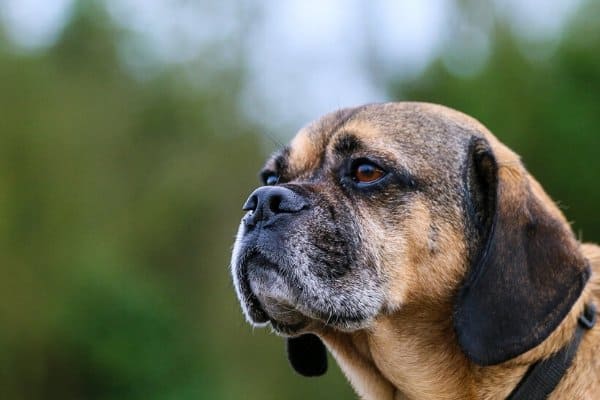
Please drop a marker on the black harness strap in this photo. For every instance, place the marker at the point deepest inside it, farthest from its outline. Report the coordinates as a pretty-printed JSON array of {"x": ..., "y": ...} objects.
[{"x": 543, "y": 377}]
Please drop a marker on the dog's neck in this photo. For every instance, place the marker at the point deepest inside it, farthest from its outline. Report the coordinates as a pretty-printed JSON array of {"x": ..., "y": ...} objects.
[
  {"x": 423, "y": 343},
  {"x": 410, "y": 354},
  {"x": 413, "y": 354}
]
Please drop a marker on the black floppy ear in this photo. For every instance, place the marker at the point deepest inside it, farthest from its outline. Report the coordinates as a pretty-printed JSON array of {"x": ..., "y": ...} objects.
[
  {"x": 307, "y": 354},
  {"x": 527, "y": 270}
]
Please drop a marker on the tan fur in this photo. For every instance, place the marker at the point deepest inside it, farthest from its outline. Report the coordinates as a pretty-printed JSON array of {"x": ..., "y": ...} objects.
[
  {"x": 411, "y": 351},
  {"x": 415, "y": 353}
]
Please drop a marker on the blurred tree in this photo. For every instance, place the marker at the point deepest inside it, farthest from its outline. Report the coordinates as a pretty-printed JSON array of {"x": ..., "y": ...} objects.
[
  {"x": 546, "y": 110},
  {"x": 119, "y": 200}
]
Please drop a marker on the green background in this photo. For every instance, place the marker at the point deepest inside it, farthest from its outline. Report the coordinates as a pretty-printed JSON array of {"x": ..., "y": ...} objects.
[{"x": 120, "y": 198}]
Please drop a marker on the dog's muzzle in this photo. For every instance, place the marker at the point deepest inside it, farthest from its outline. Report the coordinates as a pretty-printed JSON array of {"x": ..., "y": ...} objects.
[{"x": 258, "y": 267}]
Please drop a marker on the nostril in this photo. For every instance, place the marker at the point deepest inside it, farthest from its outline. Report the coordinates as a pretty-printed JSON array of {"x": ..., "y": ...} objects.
[
  {"x": 269, "y": 201},
  {"x": 250, "y": 204},
  {"x": 275, "y": 203}
]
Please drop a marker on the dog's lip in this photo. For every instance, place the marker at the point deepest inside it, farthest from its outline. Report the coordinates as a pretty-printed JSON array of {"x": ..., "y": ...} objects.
[
  {"x": 255, "y": 309},
  {"x": 288, "y": 329},
  {"x": 258, "y": 314}
]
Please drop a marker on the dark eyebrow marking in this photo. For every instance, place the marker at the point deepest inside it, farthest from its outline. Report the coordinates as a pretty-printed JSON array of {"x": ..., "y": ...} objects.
[
  {"x": 281, "y": 160},
  {"x": 347, "y": 144},
  {"x": 277, "y": 164}
]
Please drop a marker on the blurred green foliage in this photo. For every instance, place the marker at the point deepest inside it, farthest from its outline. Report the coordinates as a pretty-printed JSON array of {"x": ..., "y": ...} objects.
[
  {"x": 119, "y": 200},
  {"x": 547, "y": 111}
]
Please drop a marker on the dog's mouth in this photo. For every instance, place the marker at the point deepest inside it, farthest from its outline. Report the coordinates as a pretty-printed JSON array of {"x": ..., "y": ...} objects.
[
  {"x": 267, "y": 294},
  {"x": 277, "y": 287},
  {"x": 253, "y": 307}
]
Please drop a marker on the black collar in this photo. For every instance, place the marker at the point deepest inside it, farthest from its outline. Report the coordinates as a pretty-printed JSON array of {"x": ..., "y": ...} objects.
[{"x": 543, "y": 377}]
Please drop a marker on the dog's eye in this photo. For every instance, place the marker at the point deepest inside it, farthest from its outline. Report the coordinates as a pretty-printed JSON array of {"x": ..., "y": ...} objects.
[
  {"x": 366, "y": 172},
  {"x": 270, "y": 179}
]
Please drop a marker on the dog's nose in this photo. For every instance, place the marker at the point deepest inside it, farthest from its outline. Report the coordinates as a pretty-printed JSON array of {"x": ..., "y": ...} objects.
[{"x": 267, "y": 202}]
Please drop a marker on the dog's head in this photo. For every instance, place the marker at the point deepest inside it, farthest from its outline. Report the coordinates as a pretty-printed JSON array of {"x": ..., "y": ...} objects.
[{"x": 376, "y": 207}]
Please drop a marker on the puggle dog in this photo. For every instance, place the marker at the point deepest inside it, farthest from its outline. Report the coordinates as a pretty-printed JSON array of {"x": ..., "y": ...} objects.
[{"x": 416, "y": 248}]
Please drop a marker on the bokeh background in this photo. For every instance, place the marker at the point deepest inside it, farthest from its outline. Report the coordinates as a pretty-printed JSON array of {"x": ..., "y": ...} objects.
[{"x": 131, "y": 132}]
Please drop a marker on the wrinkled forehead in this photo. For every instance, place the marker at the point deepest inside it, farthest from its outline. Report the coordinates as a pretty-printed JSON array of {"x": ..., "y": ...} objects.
[
  {"x": 417, "y": 136},
  {"x": 336, "y": 135},
  {"x": 316, "y": 143}
]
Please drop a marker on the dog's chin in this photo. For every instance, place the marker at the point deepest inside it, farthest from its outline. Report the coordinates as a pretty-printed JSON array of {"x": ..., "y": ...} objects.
[
  {"x": 268, "y": 297},
  {"x": 276, "y": 301}
]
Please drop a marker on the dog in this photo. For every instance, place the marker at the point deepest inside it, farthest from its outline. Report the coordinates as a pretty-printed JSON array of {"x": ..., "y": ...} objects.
[{"x": 413, "y": 245}]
